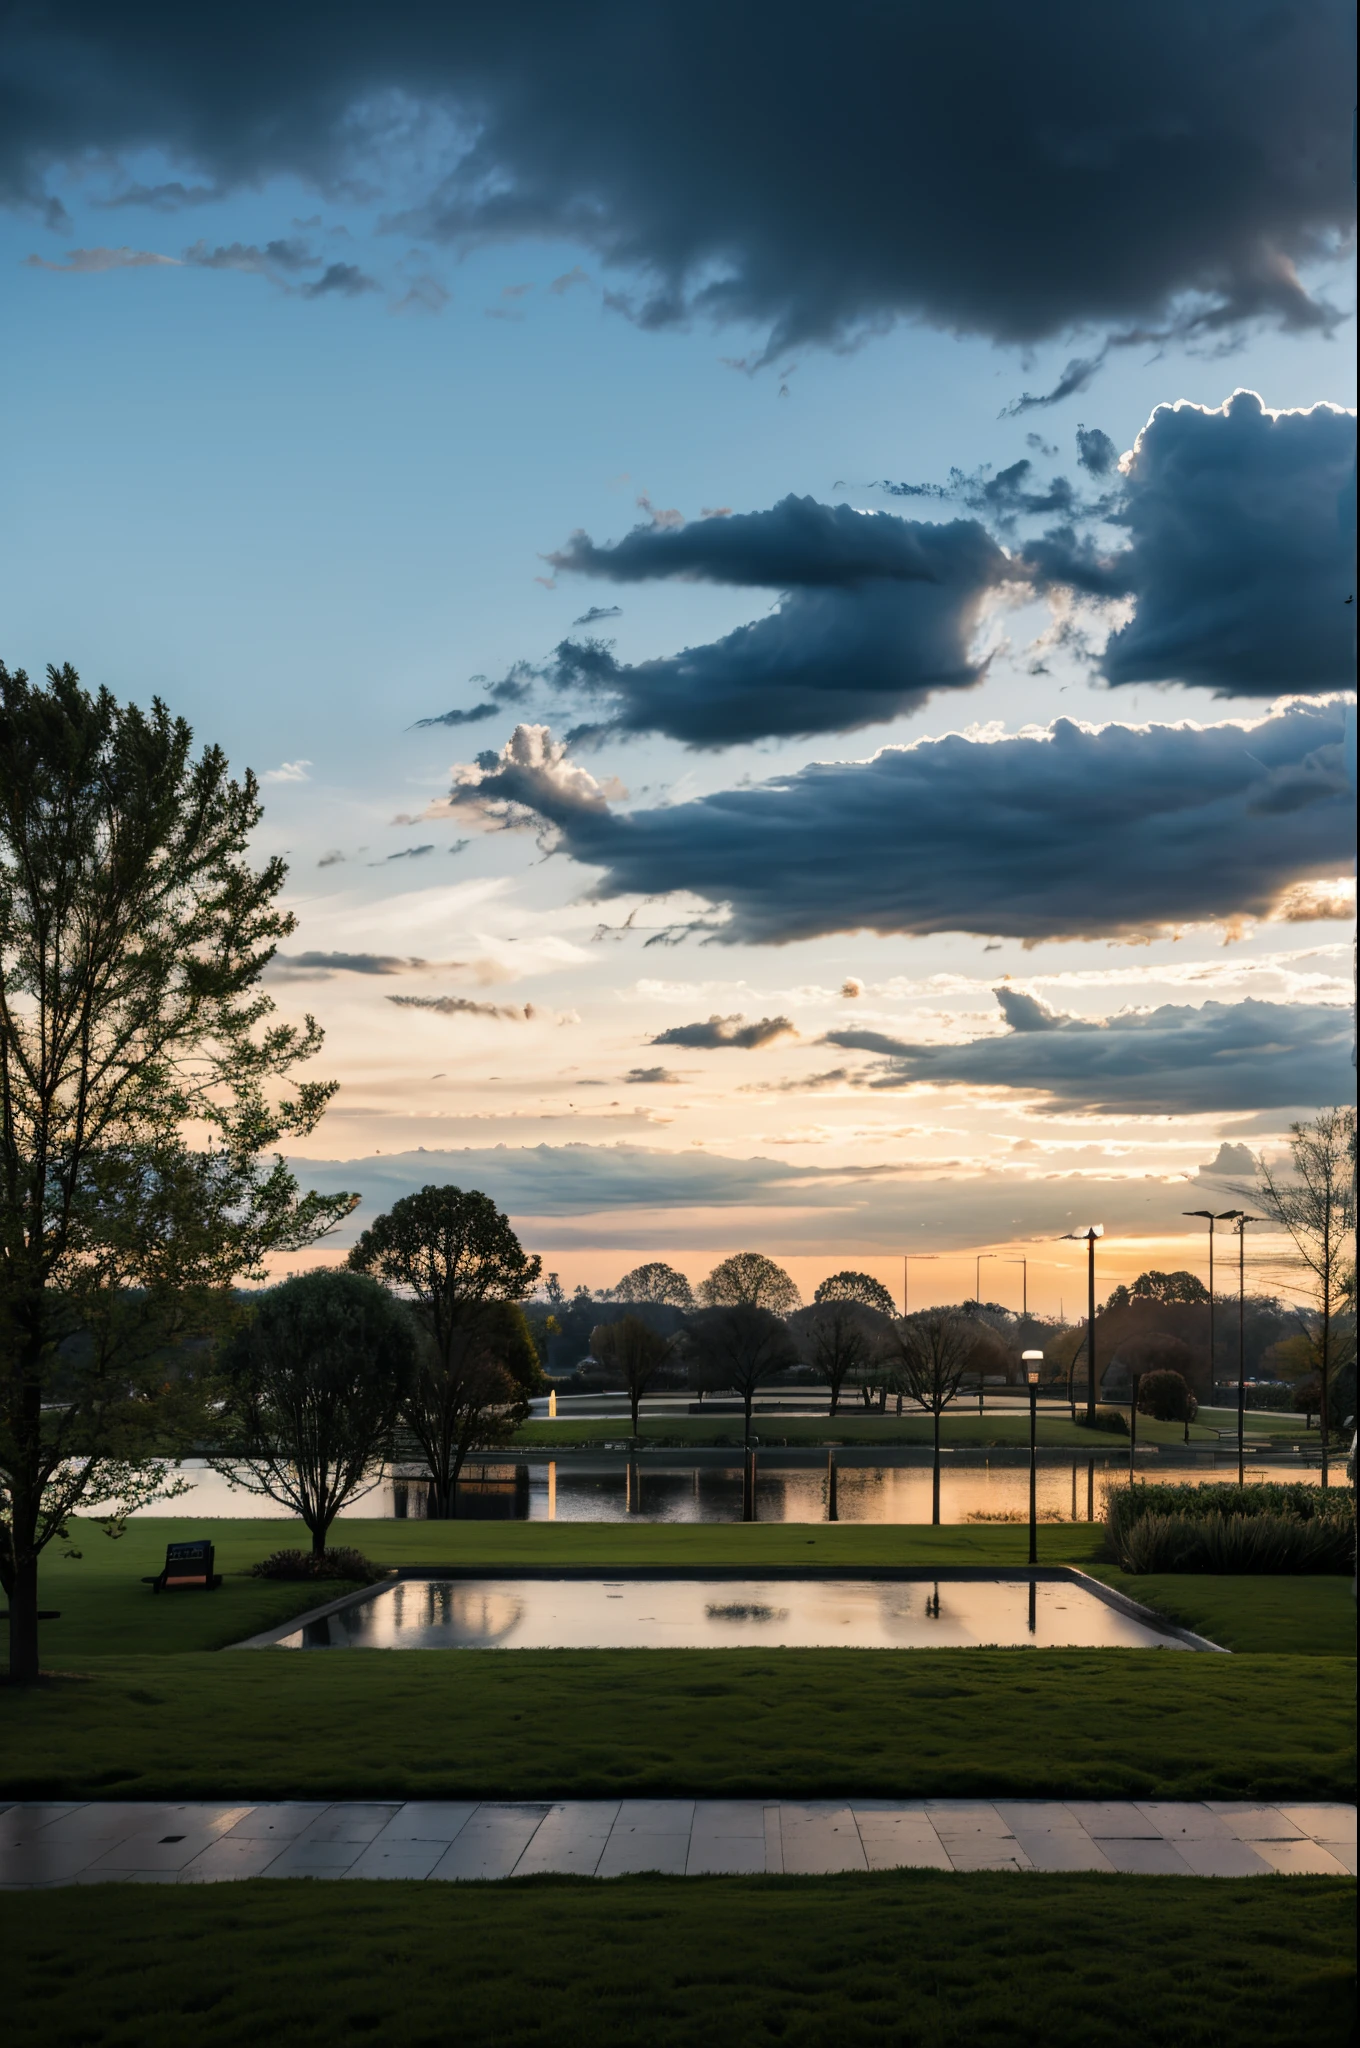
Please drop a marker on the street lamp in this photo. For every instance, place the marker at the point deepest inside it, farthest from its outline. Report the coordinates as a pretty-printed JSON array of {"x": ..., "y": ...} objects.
[
  {"x": 906, "y": 1258},
  {"x": 1241, "y": 1228},
  {"x": 977, "y": 1275},
  {"x": 1088, "y": 1237},
  {"x": 1024, "y": 1287},
  {"x": 1032, "y": 1360},
  {"x": 1212, "y": 1217}
]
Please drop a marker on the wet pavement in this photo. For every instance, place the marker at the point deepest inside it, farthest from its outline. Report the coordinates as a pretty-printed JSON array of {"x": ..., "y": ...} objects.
[{"x": 44, "y": 1846}]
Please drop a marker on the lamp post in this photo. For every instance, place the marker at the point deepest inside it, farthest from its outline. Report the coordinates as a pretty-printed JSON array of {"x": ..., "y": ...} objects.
[
  {"x": 1032, "y": 1360},
  {"x": 1212, "y": 1217},
  {"x": 1024, "y": 1287},
  {"x": 977, "y": 1274},
  {"x": 1088, "y": 1237},
  {"x": 906, "y": 1259},
  {"x": 1137, "y": 1379},
  {"x": 1241, "y": 1228}
]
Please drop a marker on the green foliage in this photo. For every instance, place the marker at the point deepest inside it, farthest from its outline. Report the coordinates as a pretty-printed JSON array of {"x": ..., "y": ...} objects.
[
  {"x": 856, "y": 1287},
  {"x": 133, "y": 930},
  {"x": 1252, "y": 1544},
  {"x": 1063, "y": 1961},
  {"x": 1111, "y": 1421},
  {"x": 1125, "y": 1504},
  {"x": 450, "y": 1249},
  {"x": 313, "y": 1383},
  {"x": 336, "y": 1562},
  {"x": 1165, "y": 1396}
]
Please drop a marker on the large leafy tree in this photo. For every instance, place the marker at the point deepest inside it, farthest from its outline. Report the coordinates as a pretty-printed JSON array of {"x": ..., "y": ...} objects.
[
  {"x": 656, "y": 1284},
  {"x": 856, "y": 1287},
  {"x": 143, "y": 1083},
  {"x": 453, "y": 1255},
  {"x": 314, "y": 1381},
  {"x": 750, "y": 1280}
]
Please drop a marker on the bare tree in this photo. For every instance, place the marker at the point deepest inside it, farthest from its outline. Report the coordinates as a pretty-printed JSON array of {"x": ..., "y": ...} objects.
[
  {"x": 1314, "y": 1204},
  {"x": 740, "y": 1347},
  {"x": 838, "y": 1339},
  {"x": 931, "y": 1353},
  {"x": 750, "y": 1280},
  {"x": 632, "y": 1351},
  {"x": 659, "y": 1285}
]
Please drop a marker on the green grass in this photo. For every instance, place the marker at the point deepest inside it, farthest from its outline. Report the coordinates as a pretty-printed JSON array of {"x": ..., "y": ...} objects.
[
  {"x": 963, "y": 1429},
  {"x": 1294, "y": 1617},
  {"x": 899, "y": 1958},
  {"x": 739, "y": 1723}
]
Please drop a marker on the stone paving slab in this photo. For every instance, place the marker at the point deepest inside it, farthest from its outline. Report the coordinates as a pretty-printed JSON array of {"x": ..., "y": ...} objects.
[{"x": 46, "y": 1845}]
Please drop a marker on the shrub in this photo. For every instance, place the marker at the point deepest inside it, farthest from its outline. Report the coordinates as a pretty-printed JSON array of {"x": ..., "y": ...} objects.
[
  {"x": 338, "y": 1563},
  {"x": 1127, "y": 1504},
  {"x": 1165, "y": 1397},
  {"x": 1264, "y": 1544},
  {"x": 1112, "y": 1420}
]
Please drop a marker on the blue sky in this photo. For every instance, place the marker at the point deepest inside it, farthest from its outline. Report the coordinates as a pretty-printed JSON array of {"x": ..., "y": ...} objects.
[{"x": 309, "y": 521}]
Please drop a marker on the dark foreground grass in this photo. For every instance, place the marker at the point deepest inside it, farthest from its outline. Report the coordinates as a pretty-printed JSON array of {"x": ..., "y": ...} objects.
[
  {"x": 1295, "y": 1617},
  {"x": 740, "y": 1723},
  {"x": 903, "y": 1957}
]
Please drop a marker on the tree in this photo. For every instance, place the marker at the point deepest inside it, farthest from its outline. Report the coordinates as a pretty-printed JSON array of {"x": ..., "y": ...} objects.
[
  {"x": 1314, "y": 1204},
  {"x": 838, "y": 1338},
  {"x": 658, "y": 1284},
  {"x": 455, "y": 1257},
  {"x": 740, "y": 1346},
  {"x": 750, "y": 1280},
  {"x": 1178, "y": 1286},
  {"x": 932, "y": 1353},
  {"x": 313, "y": 1382},
  {"x": 856, "y": 1287},
  {"x": 633, "y": 1352},
  {"x": 141, "y": 1080}
]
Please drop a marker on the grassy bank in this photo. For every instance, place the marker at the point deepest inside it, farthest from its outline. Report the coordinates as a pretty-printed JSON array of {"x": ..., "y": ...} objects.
[
  {"x": 900, "y": 1957},
  {"x": 740, "y": 1723},
  {"x": 962, "y": 1429}
]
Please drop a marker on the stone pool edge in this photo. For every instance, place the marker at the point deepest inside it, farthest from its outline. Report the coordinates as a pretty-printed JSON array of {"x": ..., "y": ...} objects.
[{"x": 1053, "y": 1574}]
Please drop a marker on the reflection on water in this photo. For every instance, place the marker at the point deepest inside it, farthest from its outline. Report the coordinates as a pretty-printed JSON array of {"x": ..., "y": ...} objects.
[
  {"x": 598, "y": 1614},
  {"x": 603, "y": 1491}
]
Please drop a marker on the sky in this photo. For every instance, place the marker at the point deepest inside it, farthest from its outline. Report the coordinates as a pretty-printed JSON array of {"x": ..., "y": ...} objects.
[{"x": 785, "y": 583}]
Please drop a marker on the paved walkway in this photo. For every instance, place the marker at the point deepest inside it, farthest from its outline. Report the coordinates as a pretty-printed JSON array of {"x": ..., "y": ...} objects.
[{"x": 110, "y": 1843}]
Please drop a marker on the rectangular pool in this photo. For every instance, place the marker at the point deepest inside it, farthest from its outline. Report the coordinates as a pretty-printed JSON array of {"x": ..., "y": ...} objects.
[{"x": 727, "y": 1613}]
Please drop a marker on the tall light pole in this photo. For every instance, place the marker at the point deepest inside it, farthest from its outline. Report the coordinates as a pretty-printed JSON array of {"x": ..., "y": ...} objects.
[
  {"x": 977, "y": 1275},
  {"x": 1088, "y": 1238},
  {"x": 1032, "y": 1361},
  {"x": 906, "y": 1259},
  {"x": 1024, "y": 1286},
  {"x": 1212, "y": 1217},
  {"x": 1241, "y": 1228}
]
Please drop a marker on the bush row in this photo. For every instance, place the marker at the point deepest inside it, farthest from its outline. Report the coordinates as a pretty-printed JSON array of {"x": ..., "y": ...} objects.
[{"x": 1257, "y": 1543}]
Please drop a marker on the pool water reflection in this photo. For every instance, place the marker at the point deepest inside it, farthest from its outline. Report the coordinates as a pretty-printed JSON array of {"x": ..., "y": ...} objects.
[{"x": 710, "y": 1614}]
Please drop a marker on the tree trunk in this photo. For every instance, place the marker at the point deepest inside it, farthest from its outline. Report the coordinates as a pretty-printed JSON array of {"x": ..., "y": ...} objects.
[
  {"x": 1324, "y": 1409},
  {"x": 748, "y": 1400},
  {"x": 23, "y": 1622},
  {"x": 935, "y": 1476},
  {"x": 635, "y": 1401},
  {"x": 835, "y": 1398}
]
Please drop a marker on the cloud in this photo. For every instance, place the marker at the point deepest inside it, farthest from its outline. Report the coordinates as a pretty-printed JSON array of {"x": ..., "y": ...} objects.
[
  {"x": 568, "y": 280},
  {"x": 464, "y": 1006},
  {"x": 728, "y": 1031},
  {"x": 275, "y": 258},
  {"x": 648, "y": 1076},
  {"x": 1173, "y": 1061},
  {"x": 598, "y": 612},
  {"x": 93, "y": 262},
  {"x": 877, "y": 613},
  {"x": 1241, "y": 524},
  {"x": 1075, "y": 832},
  {"x": 1096, "y": 452},
  {"x": 423, "y": 295},
  {"x": 321, "y": 966},
  {"x": 288, "y": 771},
  {"x": 626, "y": 1196},
  {"x": 405, "y": 853},
  {"x": 1076, "y": 377},
  {"x": 1064, "y": 166},
  {"x": 343, "y": 279}
]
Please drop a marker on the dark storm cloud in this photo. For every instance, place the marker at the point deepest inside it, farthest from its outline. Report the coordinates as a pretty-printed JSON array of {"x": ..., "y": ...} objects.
[
  {"x": 1242, "y": 530},
  {"x": 1096, "y": 452},
  {"x": 1175, "y": 1061},
  {"x": 718, "y": 1032},
  {"x": 877, "y": 613},
  {"x": 1076, "y": 834},
  {"x": 998, "y": 170}
]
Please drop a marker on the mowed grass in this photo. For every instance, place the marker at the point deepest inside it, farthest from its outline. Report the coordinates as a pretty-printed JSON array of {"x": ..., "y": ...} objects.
[
  {"x": 673, "y": 1723},
  {"x": 902, "y": 1957},
  {"x": 962, "y": 1428}
]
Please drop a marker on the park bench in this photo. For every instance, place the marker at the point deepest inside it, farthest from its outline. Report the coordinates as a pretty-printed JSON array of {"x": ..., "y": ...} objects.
[{"x": 186, "y": 1565}]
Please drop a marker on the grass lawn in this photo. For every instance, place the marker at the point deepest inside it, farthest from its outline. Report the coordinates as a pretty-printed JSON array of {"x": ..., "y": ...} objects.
[
  {"x": 901, "y": 1957},
  {"x": 142, "y": 1707},
  {"x": 962, "y": 1427}
]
